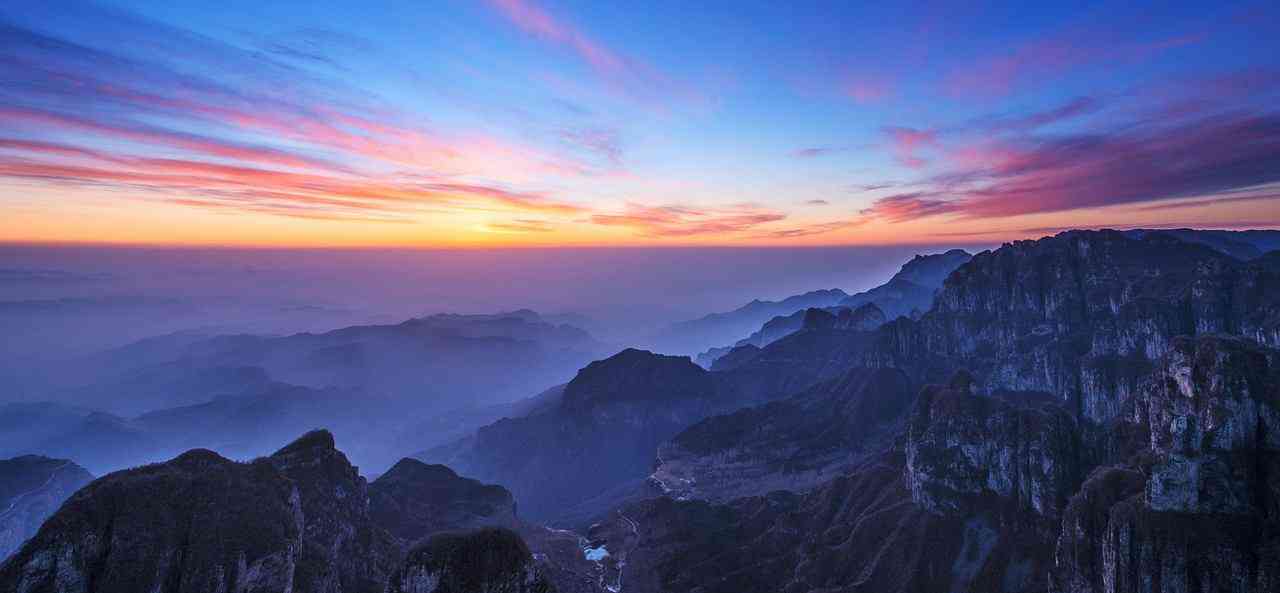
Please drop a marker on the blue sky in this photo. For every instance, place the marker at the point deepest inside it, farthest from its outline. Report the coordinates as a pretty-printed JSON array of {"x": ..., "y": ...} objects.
[{"x": 538, "y": 122}]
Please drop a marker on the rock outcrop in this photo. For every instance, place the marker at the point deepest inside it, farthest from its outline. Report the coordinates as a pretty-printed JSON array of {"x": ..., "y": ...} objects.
[
  {"x": 1198, "y": 506},
  {"x": 296, "y": 520},
  {"x": 967, "y": 454},
  {"x": 32, "y": 488},
  {"x": 414, "y": 500},
  {"x": 489, "y": 560},
  {"x": 1086, "y": 315},
  {"x": 300, "y": 520}
]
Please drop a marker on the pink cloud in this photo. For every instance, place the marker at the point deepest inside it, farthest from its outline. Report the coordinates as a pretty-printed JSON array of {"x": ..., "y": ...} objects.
[
  {"x": 868, "y": 89},
  {"x": 533, "y": 19},
  {"x": 680, "y": 221},
  {"x": 908, "y": 142},
  {"x": 992, "y": 179}
]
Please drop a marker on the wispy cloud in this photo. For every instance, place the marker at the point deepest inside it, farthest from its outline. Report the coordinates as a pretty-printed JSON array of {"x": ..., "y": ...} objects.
[
  {"x": 531, "y": 17},
  {"x": 680, "y": 221},
  {"x": 907, "y": 143},
  {"x": 1130, "y": 165},
  {"x": 820, "y": 228},
  {"x": 520, "y": 226},
  {"x": 1053, "y": 57},
  {"x": 231, "y": 128},
  {"x": 620, "y": 71},
  {"x": 1077, "y": 107}
]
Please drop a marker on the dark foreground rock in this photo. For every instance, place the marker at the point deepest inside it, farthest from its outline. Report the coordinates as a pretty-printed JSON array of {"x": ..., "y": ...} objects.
[
  {"x": 488, "y": 560},
  {"x": 300, "y": 520}
]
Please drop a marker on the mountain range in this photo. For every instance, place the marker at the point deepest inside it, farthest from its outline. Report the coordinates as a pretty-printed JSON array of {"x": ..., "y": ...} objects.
[{"x": 1095, "y": 411}]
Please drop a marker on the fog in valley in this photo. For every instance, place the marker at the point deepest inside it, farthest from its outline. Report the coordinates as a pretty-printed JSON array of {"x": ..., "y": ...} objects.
[{"x": 117, "y": 356}]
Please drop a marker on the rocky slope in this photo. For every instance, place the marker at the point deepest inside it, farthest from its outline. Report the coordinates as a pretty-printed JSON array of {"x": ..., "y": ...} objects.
[
  {"x": 301, "y": 519},
  {"x": 793, "y": 444},
  {"x": 486, "y": 560},
  {"x": 31, "y": 489},
  {"x": 414, "y": 500}
]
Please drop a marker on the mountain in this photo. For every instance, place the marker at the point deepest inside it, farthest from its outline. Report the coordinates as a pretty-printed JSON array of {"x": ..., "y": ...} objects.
[
  {"x": 982, "y": 493},
  {"x": 31, "y": 489},
  {"x": 1092, "y": 411},
  {"x": 1118, "y": 432},
  {"x": 301, "y": 519},
  {"x": 793, "y": 444},
  {"x": 388, "y": 389},
  {"x": 602, "y": 434},
  {"x": 909, "y": 292},
  {"x": 704, "y": 332},
  {"x": 439, "y": 362},
  {"x": 1243, "y": 245},
  {"x": 413, "y": 500}
]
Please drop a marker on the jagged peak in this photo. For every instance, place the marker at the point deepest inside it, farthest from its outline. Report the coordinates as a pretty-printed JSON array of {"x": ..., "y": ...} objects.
[
  {"x": 417, "y": 467},
  {"x": 319, "y": 439}
]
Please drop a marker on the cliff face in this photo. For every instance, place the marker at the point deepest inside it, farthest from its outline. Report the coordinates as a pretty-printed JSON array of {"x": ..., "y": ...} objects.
[
  {"x": 1199, "y": 503},
  {"x": 32, "y": 488},
  {"x": 965, "y": 451},
  {"x": 342, "y": 549},
  {"x": 1085, "y": 315}
]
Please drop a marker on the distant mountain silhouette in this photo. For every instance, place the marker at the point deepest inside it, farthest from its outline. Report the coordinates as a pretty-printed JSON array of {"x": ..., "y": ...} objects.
[{"x": 710, "y": 330}]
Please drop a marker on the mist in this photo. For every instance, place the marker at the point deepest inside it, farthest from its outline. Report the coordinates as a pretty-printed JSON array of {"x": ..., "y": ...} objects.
[{"x": 116, "y": 356}]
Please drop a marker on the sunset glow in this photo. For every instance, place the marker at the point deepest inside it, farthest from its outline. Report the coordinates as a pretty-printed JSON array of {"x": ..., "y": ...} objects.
[{"x": 538, "y": 123}]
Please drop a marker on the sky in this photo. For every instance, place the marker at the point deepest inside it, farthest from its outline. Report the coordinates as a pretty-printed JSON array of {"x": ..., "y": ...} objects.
[{"x": 512, "y": 123}]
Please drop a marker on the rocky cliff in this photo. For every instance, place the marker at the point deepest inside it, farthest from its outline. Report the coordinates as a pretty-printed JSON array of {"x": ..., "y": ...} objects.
[
  {"x": 301, "y": 519},
  {"x": 1194, "y": 508},
  {"x": 1086, "y": 314},
  {"x": 1117, "y": 433}
]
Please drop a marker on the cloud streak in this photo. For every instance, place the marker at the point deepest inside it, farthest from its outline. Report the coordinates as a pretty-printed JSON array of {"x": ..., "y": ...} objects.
[
  {"x": 176, "y": 120},
  {"x": 680, "y": 221},
  {"x": 1013, "y": 169}
]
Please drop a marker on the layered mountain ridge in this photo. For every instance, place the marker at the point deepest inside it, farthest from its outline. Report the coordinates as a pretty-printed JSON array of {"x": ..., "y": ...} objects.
[{"x": 1096, "y": 411}]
